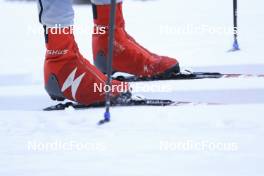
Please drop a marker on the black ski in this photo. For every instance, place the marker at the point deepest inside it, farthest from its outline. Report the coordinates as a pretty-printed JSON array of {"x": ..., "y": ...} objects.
[
  {"x": 131, "y": 102},
  {"x": 179, "y": 76},
  {"x": 188, "y": 76}
]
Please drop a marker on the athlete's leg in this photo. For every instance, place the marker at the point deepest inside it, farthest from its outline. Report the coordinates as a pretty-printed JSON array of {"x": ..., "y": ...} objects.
[{"x": 56, "y": 12}]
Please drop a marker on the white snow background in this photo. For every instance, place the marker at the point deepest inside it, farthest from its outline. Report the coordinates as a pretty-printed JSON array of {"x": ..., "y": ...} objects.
[{"x": 187, "y": 140}]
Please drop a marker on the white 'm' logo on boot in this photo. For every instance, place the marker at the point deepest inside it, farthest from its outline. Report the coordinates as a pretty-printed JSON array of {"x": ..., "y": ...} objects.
[{"x": 73, "y": 83}]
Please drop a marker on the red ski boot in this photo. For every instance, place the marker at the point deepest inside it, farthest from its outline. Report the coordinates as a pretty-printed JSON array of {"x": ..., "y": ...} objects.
[
  {"x": 129, "y": 56},
  {"x": 68, "y": 75}
]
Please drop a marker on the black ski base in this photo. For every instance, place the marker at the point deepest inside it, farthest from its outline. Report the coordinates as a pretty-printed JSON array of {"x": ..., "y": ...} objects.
[
  {"x": 132, "y": 102},
  {"x": 179, "y": 76}
]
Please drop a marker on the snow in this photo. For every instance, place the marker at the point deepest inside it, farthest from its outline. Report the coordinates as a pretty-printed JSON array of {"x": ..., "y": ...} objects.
[{"x": 139, "y": 140}]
